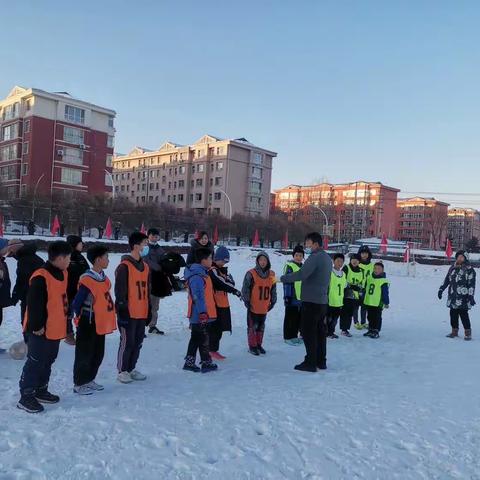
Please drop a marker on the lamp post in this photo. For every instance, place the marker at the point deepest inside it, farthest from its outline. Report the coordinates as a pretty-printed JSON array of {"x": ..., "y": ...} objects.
[
  {"x": 35, "y": 196},
  {"x": 230, "y": 211}
]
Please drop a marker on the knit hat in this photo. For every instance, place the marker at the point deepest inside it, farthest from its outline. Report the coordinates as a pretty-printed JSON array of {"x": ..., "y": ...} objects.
[
  {"x": 222, "y": 254},
  {"x": 74, "y": 240},
  {"x": 298, "y": 249}
]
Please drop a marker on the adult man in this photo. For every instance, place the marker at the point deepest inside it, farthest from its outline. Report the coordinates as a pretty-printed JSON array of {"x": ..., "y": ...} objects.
[
  {"x": 315, "y": 278},
  {"x": 153, "y": 258}
]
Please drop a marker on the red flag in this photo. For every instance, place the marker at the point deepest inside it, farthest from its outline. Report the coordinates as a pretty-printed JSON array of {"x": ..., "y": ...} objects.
[
  {"x": 1, "y": 225},
  {"x": 406, "y": 254},
  {"x": 55, "y": 226},
  {"x": 285, "y": 240},
  {"x": 215, "y": 236},
  {"x": 325, "y": 242},
  {"x": 256, "y": 239},
  {"x": 449, "y": 249},
  {"x": 383, "y": 244},
  {"x": 108, "y": 229},
  {"x": 142, "y": 229}
]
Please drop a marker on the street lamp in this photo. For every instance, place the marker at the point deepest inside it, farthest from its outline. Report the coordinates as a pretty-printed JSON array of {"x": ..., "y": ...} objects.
[
  {"x": 35, "y": 196},
  {"x": 230, "y": 212}
]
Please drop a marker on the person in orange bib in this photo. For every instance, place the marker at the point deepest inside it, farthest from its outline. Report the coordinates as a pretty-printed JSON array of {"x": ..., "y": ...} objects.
[
  {"x": 132, "y": 302},
  {"x": 201, "y": 311},
  {"x": 46, "y": 323},
  {"x": 94, "y": 316},
  {"x": 259, "y": 293}
]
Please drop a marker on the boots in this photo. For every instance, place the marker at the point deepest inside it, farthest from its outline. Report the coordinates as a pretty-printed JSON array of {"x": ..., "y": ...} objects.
[
  {"x": 468, "y": 334},
  {"x": 454, "y": 333}
]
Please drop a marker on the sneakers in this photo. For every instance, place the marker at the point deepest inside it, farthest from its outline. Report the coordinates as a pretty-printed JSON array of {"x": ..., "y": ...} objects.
[
  {"x": 374, "y": 334},
  {"x": 292, "y": 342},
  {"x": 217, "y": 356},
  {"x": 358, "y": 326},
  {"x": 191, "y": 368},
  {"x": 82, "y": 389},
  {"x": 209, "y": 367},
  {"x": 261, "y": 350},
  {"x": 124, "y": 377},
  {"x": 70, "y": 339},
  {"x": 305, "y": 367},
  {"x": 332, "y": 336},
  {"x": 44, "y": 396},
  {"x": 156, "y": 331},
  {"x": 468, "y": 334},
  {"x": 30, "y": 404},
  {"x": 254, "y": 351},
  {"x": 95, "y": 386},
  {"x": 298, "y": 341},
  {"x": 453, "y": 333},
  {"x": 367, "y": 334},
  {"x": 137, "y": 376},
  {"x": 346, "y": 333},
  {"x": 365, "y": 326}
]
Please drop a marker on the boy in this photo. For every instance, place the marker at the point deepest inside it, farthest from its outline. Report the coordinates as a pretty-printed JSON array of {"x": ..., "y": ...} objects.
[
  {"x": 132, "y": 302},
  {"x": 46, "y": 324},
  {"x": 376, "y": 299},
  {"x": 366, "y": 265},
  {"x": 336, "y": 292},
  {"x": 201, "y": 311},
  {"x": 259, "y": 293},
  {"x": 223, "y": 284},
  {"x": 94, "y": 317},
  {"x": 351, "y": 302},
  {"x": 291, "y": 299}
]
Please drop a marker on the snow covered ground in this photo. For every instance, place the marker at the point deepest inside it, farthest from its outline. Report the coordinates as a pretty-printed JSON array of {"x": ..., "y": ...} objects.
[{"x": 404, "y": 407}]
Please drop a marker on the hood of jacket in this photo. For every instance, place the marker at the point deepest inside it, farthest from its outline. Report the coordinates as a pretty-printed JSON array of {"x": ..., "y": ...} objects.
[
  {"x": 195, "y": 269},
  {"x": 263, "y": 272},
  {"x": 382, "y": 275},
  {"x": 138, "y": 264},
  {"x": 99, "y": 277}
]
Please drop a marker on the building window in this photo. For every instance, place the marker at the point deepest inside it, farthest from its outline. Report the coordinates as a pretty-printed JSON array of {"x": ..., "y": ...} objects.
[
  {"x": 24, "y": 168},
  {"x": 109, "y": 160},
  {"x": 110, "y": 139},
  {"x": 257, "y": 158},
  {"x": 162, "y": 192},
  {"x": 211, "y": 182},
  {"x": 74, "y": 156},
  {"x": 164, "y": 179},
  {"x": 192, "y": 183},
  {"x": 198, "y": 197},
  {"x": 219, "y": 166},
  {"x": 73, "y": 135},
  {"x": 180, "y": 198},
  {"x": 193, "y": 168},
  {"x": 8, "y": 173},
  {"x": 128, "y": 188},
  {"x": 199, "y": 182},
  {"x": 28, "y": 105},
  {"x": 218, "y": 181},
  {"x": 10, "y": 132},
  {"x": 182, "y": 170},
  {"x": 217, "y": 196},
  {"x": 110, "y": 122},
  {"x": 219, "y": 150},
  {"x": 191, "y": 197},
  {"x": 71, "y": 176},
  {"x": 74, "y": 114},
  {"x": 25, "y": 148},
  {"x": 256, "y": 172},
  {"x": 181, "y": 183},
  {"x": 11, "y": 111},
  {"x": 9, "y": 152},
  {"x": 26, "y": 126}
]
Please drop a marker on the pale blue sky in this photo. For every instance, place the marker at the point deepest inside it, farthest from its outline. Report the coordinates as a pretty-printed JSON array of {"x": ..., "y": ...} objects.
[{"x": 342, "y": 90}]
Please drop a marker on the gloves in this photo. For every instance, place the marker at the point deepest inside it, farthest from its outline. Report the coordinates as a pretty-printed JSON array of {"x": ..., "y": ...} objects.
[
  {"x": 238, "y": 293},
  {"x": 122, "y": 321},
  {"x": 203, "y": 317},
  {"x": 471, "y": 300},
  {"x": 440, "y": 293},
  {"x": 76, "y": 320}
]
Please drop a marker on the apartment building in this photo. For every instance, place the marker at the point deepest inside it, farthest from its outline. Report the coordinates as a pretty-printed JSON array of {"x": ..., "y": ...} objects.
[
  {"x": 463, "y": 225},
  {"x": 52, "y": 142},
  {"x": 423, "y": 221},
  {"x": 212, "y": 175},
  {"x": 351, "y": 210}
]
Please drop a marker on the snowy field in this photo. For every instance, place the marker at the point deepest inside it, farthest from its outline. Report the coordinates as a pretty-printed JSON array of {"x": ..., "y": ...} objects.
[{"x": 405, "y": 406}]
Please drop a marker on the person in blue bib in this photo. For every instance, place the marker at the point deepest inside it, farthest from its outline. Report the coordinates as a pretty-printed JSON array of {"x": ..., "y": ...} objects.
[{"x": 291, "y": 299}]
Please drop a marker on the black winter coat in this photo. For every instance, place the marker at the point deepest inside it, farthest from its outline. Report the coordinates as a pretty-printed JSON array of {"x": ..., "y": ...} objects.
[
  {"x": 27, "y": 262},
  {"x": 5, "y": 285},
  {"x": 195, "y": 245},
  {"x": 78, "y": 266}
]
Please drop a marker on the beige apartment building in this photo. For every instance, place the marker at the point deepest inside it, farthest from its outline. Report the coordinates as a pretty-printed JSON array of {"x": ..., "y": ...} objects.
[
  {"x": 463, "y": 225},
  {"x": 212, "y": 175}
]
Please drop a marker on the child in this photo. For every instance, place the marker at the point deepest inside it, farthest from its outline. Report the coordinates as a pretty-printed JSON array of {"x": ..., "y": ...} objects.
[
  {"x": 366, "y": 265},
  {"x": 259, "y": 292},
  {"x": 46, "y": 324},
  {"x": 223, "y": 284},
  {"x": 291, "y": 299},
  {"x": 132, "y": 302},
  {"x": 94, "y": 317},
  {"x": 336, "y": 292},
  {"x": 351, "y": 302},
  {"x": 376, "y": 299},
  {"x": 201, "y": 311}
]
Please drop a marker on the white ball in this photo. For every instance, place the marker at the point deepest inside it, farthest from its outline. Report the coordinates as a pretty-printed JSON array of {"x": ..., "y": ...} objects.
[{"x": 18, "y": 351}]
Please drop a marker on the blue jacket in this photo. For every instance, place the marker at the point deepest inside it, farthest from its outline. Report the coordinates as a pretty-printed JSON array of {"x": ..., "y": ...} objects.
[
  {"x": 289, "y": 294},
  {"x": 196, "y": 275}
]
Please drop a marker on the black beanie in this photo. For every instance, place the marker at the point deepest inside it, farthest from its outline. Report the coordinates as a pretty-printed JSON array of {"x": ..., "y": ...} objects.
[{"x": 74, "y": 240}]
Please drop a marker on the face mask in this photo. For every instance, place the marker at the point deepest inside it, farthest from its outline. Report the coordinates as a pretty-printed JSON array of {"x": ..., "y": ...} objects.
[
  {"x": 307, "y": 250},
  {"x": 144, "y": 251}
]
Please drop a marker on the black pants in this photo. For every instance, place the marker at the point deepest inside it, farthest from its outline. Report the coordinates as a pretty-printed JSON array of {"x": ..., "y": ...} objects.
[
  {"x": 215, "y": 329},
  {"x": 89, "y": 351},
  {"x": 23, "y": 309},
  {"x": 314, "y": 333},
  {"x": 363, "y": 315},
  {"x": 199, "y": 341},
  {"x": 350, "y": 306},
  {"x": 291, "y": 322},
  {"x": 332, "y": 319},
  {"x": 374, "y": 315},
  {"x": 255, "y": 328},
  {"x": 42, "y": 353},
  {"x": 131, "y": 341},
  {"x": 464, "y": 316}
]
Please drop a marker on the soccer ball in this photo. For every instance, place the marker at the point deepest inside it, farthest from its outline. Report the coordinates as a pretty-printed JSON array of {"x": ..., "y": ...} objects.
[{"x": 18, "y": 351}]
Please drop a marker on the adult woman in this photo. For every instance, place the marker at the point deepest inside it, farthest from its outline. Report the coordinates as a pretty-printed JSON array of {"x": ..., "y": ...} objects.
[{"x": 202, "y": 241}]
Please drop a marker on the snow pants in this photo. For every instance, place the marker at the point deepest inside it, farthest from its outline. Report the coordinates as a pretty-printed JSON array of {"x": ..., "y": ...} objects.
[
  {"x": 291, "y": 322},
  {"x": 455, "y": 313},
  {"x": 374, "y": 315},
  {"x": 256, "y": 328},
  {"x": 350, "y": 308},
  {"x": 199, "y": 341},
  {"x": 332, "y": 319}
]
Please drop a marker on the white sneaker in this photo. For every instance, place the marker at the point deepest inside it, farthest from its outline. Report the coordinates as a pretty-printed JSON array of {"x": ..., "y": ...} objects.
[
  {"x": 82, "y": 389},
  {"x": 124, "y": 377},
  {"x": 95, "y": 386},
  {"x": 136, "y": 375}
]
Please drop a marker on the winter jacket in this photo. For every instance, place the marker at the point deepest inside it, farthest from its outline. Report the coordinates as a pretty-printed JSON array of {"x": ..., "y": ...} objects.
[
  {"x": 195, "y": 276},
  {"x": 5, "y": 285},
  {"x": 37, "y": 299},
  {"x": 121, "y": 286},
  {"x": 163, "y": 281},
  {"x": 27, "y": 262},
  {"x": 366, "y": 265},
  {"x": 195, "y": 245},
  {"x": 157, "y": 277},
  {"x": 222, "y": 281},
  {"x": 248, "y": 282},
  {"x": 315, "y": 277},
  {"x": 385, "y": 297},
  {"x": 78, "y": 266},
  {"x": 289, "y": 293},
  {"x": 460, "y": 281},
  {"x": 83, "y": 301},
  {"x": 353, "y": 291}
]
